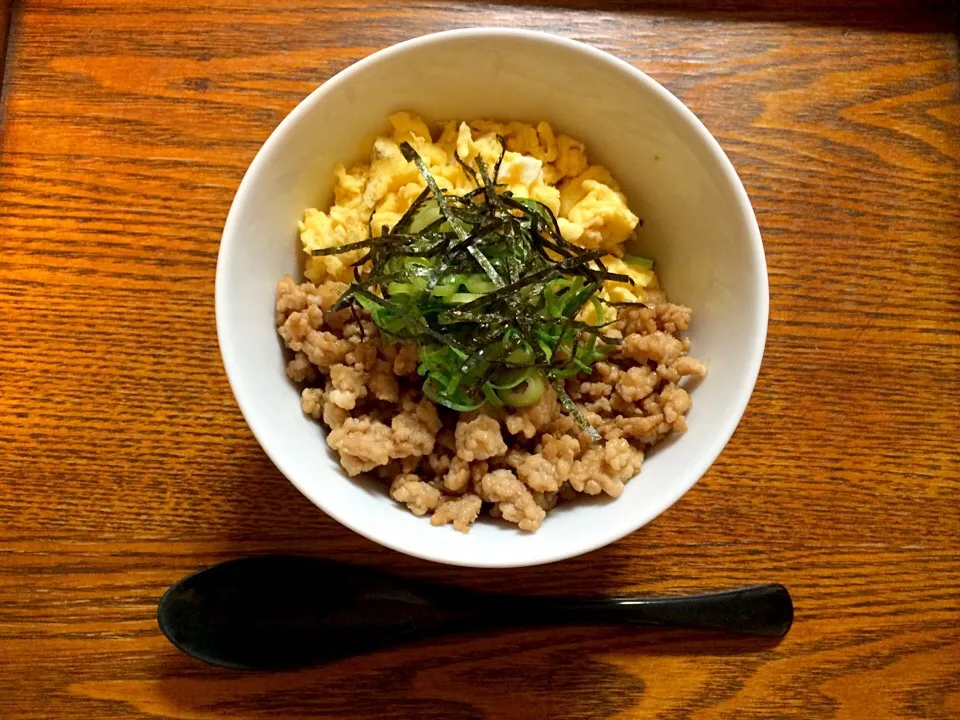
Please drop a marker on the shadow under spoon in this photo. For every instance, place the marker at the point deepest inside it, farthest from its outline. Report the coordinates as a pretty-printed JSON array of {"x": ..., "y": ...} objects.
[{"x": 283, "y": 611}]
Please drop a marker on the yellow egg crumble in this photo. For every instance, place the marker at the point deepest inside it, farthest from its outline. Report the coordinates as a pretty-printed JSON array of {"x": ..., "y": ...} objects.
[{"x": 554, "y": 169}]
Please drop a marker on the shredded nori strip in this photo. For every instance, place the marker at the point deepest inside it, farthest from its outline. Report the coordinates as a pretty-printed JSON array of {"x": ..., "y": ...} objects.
[
  {"x": 503, "y": 151},
  {"x": 468, "y": 170},
  {"x": 404, "y": 223},
  {"x": 572, "y": 408},
  {"x": 624, "y": 303},
  {"x": 489, "y": 287},
  {"x": 411, "y": 155}
]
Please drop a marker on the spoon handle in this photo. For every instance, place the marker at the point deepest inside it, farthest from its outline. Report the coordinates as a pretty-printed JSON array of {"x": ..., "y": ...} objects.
[{"x": 758, "y": 610}]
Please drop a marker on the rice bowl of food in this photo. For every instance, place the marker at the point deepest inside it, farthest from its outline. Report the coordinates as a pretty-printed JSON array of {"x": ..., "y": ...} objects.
[{"x": 479, "y": 324}]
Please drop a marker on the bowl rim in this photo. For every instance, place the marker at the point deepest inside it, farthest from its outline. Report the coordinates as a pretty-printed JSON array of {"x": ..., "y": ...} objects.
[{"x": 751, "y": 364}]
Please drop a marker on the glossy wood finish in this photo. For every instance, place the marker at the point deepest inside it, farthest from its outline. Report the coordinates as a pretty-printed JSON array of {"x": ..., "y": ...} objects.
[{"x": 124, "y": 463}]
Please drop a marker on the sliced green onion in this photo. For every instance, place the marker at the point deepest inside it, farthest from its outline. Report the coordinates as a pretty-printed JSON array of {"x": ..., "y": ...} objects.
[
  {"x": 453, "y": 384},
  {"x": 462, "y": 298},
  {"x": 413, "y": 286},
  {"x": 525, "y": 394},
  {"x": 510, "y": 378},
  {"x": 402, "y": 288},
  {"x": 445, "y": 290},
  {"x": 547, "y": 350},
  {"x": 491, "y": 395},
  {"x": 598, "y": 310},
  {"x": 429, "y": 213},
  {"x": 520, "y": 356},
  {"x": 637, "y": 261},
  {"x": 479, "y": 284},
  {"x": 461, "y": 404}
]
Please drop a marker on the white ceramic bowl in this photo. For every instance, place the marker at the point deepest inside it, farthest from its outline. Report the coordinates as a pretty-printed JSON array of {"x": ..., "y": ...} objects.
[{"x": 698, "y": 225}]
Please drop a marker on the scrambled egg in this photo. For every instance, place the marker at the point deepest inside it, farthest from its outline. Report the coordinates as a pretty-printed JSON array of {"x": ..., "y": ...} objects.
[{"x": 538, "y": 164}]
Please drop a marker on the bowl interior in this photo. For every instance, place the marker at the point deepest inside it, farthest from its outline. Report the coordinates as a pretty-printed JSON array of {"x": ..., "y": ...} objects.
[{"x": 698, "y": 226}]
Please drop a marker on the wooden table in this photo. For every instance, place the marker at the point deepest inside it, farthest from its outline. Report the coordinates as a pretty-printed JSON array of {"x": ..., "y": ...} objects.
[{"x": 124, "y": 463}]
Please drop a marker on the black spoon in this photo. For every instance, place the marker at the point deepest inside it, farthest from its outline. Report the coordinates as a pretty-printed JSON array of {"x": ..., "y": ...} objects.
[{"x": 281, "y": 611}]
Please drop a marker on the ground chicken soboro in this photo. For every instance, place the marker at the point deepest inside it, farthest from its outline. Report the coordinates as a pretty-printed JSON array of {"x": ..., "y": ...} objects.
[
  {"x": 366, "y": 391},
  {"x": 516, "y": 465}
]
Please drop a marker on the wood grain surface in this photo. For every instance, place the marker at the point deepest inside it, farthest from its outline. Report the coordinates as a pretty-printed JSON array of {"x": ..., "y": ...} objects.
[
  {"x": 5, "y": 7},
  {"x": 125, "y": 464}
]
